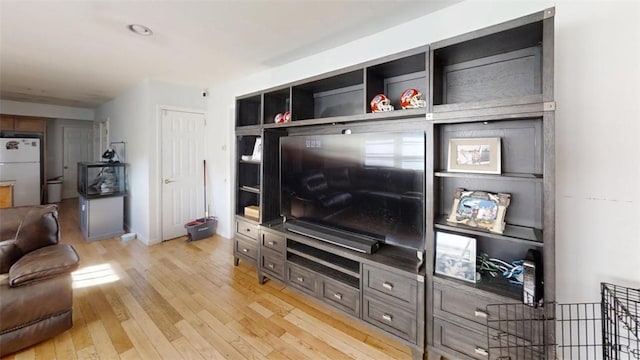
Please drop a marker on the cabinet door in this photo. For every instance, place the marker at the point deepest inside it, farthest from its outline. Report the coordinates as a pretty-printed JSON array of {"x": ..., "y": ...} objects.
[
  {"x": 30, "y": 124},
  {"x": 6, "y": 122}
]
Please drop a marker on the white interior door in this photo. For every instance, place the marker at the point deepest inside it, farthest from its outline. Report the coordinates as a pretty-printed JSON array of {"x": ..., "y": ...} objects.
[
  {"x": 182, "y": 170},
  {"x": 77, "y": 146}
]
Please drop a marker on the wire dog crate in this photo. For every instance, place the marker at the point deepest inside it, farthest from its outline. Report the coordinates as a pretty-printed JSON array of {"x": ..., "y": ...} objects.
[{"x": 606, "y": 330}]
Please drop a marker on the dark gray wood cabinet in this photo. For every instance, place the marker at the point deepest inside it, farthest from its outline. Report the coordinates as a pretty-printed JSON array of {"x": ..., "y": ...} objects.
[{"x": 495, "y": 82}]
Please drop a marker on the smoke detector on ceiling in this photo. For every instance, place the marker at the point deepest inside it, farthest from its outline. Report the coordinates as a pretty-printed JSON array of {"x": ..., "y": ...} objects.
[{"x": 140, "y": 29}]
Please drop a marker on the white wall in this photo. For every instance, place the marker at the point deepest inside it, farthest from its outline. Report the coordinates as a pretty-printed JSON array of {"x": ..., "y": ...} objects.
[
  {"x": 45, "y": 110},
  {"x": 134, "y": 119},
  {"x": 597, "y": 47}
]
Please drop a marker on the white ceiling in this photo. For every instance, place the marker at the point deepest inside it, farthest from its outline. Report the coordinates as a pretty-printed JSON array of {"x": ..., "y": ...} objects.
[{"x": 80, "y": 53}]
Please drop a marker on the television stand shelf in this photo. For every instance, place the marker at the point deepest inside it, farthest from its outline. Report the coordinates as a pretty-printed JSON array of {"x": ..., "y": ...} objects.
[{"x": 385, "y": 290}]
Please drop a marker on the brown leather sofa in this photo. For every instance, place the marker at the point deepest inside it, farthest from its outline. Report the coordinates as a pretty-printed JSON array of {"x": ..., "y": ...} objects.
[{"x": 36, "y": 297}]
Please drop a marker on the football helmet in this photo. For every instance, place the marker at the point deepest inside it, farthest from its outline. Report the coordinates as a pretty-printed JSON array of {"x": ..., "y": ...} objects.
[
  {"x": 287, "y": 116},
  {"x": 412, "y": 99},
  {"x": 279, "y": 118},
  {"x": 381, "y": 103}
]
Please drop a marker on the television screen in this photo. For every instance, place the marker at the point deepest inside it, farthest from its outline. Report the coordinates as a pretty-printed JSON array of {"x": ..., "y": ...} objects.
[{"x": 370, "y": 184}]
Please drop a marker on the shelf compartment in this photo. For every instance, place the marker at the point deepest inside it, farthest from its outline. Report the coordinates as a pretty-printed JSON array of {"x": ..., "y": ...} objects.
[
  {"x": 487, "y": 67},
  {"x": 347, "y": 266},
  {"x": 513, "y": 233},
  {"x": 244, "y": 199},
  {"x": 252, "y": 189},
  {"x": 248, "y": 111},
  {"x": 393, "y": 77},
  {"x": 489, "y": 287},
  {"x": 537, "y": 178},
  {"x": 338, "y": 95},
  {"x": 380, "y": 116},
  {"x": 277, "y": 101},
  {"x": 319, "y": 268}
]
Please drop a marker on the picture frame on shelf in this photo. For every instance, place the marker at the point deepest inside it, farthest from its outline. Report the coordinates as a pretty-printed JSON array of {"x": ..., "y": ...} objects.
[
  {"x": 257, "y": 150},
  {"x": 475, "y": 155},
  {"x": 456, "y": 256},
  {"x": 480, "y": 209}
]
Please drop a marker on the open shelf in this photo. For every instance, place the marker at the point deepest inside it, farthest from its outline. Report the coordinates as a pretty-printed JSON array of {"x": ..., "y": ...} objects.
[
  {"x": 347, "y": 266},
  {"x": 497, "y": 285},
  {"x": 331, "y": 273},
  {"x": 504, "y": 176},
  {"x": 513, "y": 233},
  {"x": 248, "y": 111}
]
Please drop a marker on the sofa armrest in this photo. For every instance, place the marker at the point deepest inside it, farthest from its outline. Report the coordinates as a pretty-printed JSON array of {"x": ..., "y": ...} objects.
[{"x": 44, "y": 263}]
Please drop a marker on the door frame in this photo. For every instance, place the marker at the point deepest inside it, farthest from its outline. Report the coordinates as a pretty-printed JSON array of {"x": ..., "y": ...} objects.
[{"x": 158, "y": 175}]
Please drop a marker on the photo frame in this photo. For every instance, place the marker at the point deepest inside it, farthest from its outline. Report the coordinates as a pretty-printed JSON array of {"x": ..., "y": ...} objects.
[
  {"x": 480, "y": 209},
  {"x": 475, "y": 155},
  {"x": 257, "y": 150},
  {"x": 456, "y": 256}
]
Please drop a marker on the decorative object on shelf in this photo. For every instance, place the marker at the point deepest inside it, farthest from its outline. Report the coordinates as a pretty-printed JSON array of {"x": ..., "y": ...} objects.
[
  {"x": 257, "y": 150},
  {"x": 456, "y": 256},
  {"x": 287, "y": 116},
  {"x": 412, "y": 99},
  {"x": 279, "y": 118},
  {"x": 252, "y": 211},
  {"x": 494, "y": 267},
  {"x": 475, "y": 155},
  {"x": 480, "y": 209},
  {"x": 381, "y": 103}
]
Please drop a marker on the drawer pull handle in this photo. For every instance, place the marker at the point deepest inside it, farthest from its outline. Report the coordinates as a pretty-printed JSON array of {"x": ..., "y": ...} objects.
[
  {"x": 337, "y": 296},
  {"x": 270, "y": 243},
  {"x": 300, "y": 279},
  {"x": 481, "y": 314},
  {"x": 247, "y": 230},
  {"x": 387, "y": 317},
  {"x": 271, "y": 266},
  {"x": 245, "y": 250},
  {"x": 481, "y": 351},
  {"x": 387, "y": 285}
]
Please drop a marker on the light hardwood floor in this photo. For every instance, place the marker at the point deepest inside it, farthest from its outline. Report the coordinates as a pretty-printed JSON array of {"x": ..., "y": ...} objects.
[{"x": 186, "y": 300}]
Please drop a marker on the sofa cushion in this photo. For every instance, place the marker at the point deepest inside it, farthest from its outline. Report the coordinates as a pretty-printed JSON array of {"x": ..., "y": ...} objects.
[
  {"x": 22, "y": 306},
  {"x": 44, "y": 263},
  {"x": 10, "y": 220},
  {"x": 38, "y": 228},
  {"x": 9, "y": 254}
]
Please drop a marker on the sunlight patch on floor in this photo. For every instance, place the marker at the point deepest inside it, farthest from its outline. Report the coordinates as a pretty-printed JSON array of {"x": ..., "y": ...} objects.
[{"x": 94, "y": 275}]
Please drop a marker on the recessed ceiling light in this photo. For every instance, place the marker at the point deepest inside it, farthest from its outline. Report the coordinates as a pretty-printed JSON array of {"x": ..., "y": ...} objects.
[{"x": 140, "y": 29}]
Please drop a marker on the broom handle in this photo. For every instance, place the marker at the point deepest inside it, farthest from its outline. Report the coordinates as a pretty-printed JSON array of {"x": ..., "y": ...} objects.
[{"x": 206, "y": 212}]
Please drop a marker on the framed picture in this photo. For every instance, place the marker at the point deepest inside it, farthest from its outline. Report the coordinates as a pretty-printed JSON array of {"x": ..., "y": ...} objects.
[
  {"x": 257, "y": 150},
  {"x": 475, "y": 155},
  {"x": 480, "y": 209},
  {"x": 456, "y": 256}
]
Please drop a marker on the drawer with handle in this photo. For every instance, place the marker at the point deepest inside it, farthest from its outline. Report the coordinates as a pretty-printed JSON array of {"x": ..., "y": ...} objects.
[
  {"x": 460, "y": 341},
  {"x": 273, "y": 265},
  {"x": 247, "y": 229},
  {"x": 246, "y": 248},
  {"x": 273, "y": 241},
  {"x": 342, "y": 296},
  {"x": 301, "y": 277},
  {"x": 390, "y": 318},
  {"x": 401, "y": 289}
]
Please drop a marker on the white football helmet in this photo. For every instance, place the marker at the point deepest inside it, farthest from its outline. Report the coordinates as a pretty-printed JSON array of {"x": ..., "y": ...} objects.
[
  {"x": 412, "y": 99},
  {"x": 381, "y": 103}
]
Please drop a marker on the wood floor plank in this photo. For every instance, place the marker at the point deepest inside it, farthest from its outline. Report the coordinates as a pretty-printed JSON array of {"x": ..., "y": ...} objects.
[
  {"x": 64, "y": 346},
  {"x": 46, "y": 350},
  {"x": 143, "y": 345},
  {"x": 187, "y": 300},
  {"x": 102, "y": 341}
]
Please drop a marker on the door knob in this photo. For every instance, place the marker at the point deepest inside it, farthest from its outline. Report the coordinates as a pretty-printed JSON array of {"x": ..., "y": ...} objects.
[{"x": 167, "y": 181}]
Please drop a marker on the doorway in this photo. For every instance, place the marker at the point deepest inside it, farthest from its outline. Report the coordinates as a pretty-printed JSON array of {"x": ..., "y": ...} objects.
[
  {"x": 77, "y": 147},
  {"x": 182, "y": 156}
]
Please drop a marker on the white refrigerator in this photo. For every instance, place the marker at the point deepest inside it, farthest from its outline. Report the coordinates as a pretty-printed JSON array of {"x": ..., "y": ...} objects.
[{"x": 20, "y": 167}]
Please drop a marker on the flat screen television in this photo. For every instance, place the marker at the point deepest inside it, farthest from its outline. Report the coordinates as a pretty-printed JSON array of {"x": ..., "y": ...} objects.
[{"x": 368, "y": 184}]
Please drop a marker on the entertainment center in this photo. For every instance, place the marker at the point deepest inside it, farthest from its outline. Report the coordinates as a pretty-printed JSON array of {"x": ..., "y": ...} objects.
[{"x": 351, "y": 203}]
